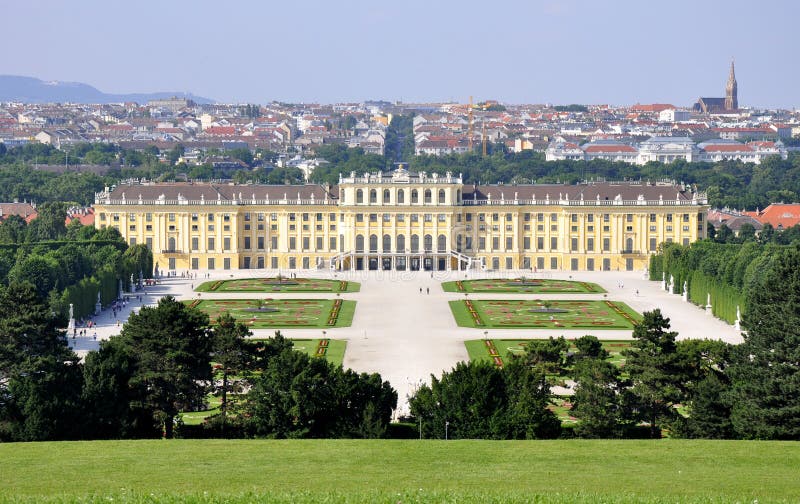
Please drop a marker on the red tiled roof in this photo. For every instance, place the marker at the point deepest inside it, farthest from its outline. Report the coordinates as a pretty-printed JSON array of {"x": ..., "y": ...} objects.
[{"x": 783, "y": 215}]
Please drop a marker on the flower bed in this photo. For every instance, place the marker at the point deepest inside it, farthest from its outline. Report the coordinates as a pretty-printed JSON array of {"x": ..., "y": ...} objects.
[
  {"x": 322, "y": 348},
  {"x": 334, "y": 315}
]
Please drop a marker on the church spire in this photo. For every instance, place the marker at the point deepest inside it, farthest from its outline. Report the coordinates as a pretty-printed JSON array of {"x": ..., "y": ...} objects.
[{"x": 731, "y": 91}]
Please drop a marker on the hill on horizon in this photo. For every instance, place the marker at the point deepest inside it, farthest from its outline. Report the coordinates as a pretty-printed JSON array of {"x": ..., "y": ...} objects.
[{"x": 18, "y": 88}]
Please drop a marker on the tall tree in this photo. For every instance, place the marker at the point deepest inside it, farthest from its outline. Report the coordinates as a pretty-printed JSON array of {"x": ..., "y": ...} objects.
[
  {"x": 230, "y": 354},
  {"x": 652, "y": 365},
  {"x": 597, "y": 400},
  {"x": 172, "y": 345},
  {"x": 765, "y": 374}
]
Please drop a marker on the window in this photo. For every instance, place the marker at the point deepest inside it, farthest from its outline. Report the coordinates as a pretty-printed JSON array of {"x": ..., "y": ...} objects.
[
  {"x": 508, "y": 217},
  {"x": 526, "y": 243},
  {"x": 210, "y": 217},
  {"x": 292, "y": 243},
  {"x": 359, "y": 217},
  {"x": 590, "y": 218},
  {"x": 170, "y": 217},
  {"x": 247, "y": 243},
  {"x": 332, "y": 243},
  {"x": 373, "y": 196},
  {"x": 359, "y": 196},
  {"x": 606, "y": 217},
  {"x": 441, "y": 243},
  {"x": 401, "y": 243},
  {"x": 428, "y": 243},
  {"x": 273, "y": 242},
  {"x": 148, "y": 243},
  {"x": 260, "y": 243},
  {"x": 481, "y": 243},
  {"x": 441, "y": 196},
  {"x": 527, "y": 218},
  {"x": 373, "y": 243},
  {"x": 373, "y": 217},
  {"x": 427, "y": 196},
  {"x": 652, "y": 217},
  {"x": 629, "y": 217},
  {"x": 195, "y": 242},
  {"x": 495, "y": 217},
  {"x": 573, "y": 218},
  {"x": 481, "y": 217},
  {"x": 606, "y": 244},
  {"x": 246, "y": 217},
  {"x": 387, "y": 217},
  {"x": 414, "y": 243},
  {"x": 509, "y": 242},
  {"x": 553, "y": 263},
  {"x": 148, "y": 217},
  {"x": 226, "y": 243},
  {"x": 195, "y": 263},
  {"x": 653, "y": 245},
  {"x": 540, "y": 242},
  {"x": 554, "y": 243},
  {"x": 669, "y": 217},
  {"x": 387, "y": 243},
  {"x": 210, "y": 243},
  {"x": 211, "y": 263},
  {"x": 590, "y": 244},
  {"x": 401, "y": 196},
  {"x": 442, "y": 217},
  {"x": 573, "y": 245},
  {"x": 540, "y": 217},
  {"x": 386, "y": 196},
  {"x": 495, "y": 242},
  {"x": 305, "y": 217},
  {"x": 414, "y": 196},
  {"x": 226, "y": 263},
  {"x": 261, "y": 217},
  {"x": 685, "y": 217},
  {"x": 553, "y": 217},
  {"x": 306, "y": 243},
  {"x": 226, "y": 218},
  {"x": 428, "y": 217}
]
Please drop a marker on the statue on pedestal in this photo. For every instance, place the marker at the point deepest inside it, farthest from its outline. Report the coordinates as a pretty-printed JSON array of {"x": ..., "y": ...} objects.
[
  {"x": 685, "y": 291},
  {"x": 98, "y": 307},
  {"x": 738, "y": 324},
  {"x": 71, "y": 323},
  {"x": 708, "y": 303}
]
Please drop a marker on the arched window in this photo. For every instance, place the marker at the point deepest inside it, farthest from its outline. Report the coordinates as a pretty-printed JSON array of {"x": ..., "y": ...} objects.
[
  {"x": 629, "y": 244},
  {"x": 171, "y": 244},
  {"x": 401, "y": 243},
  {"x": 427, "y": 195},
  {"x": 401, "y": 196},
  {"x": 428, "y": 243},
  {"x": 359, "y": 243},
  {"x": 441, "y": 196},
  {"x": 386, "y": 196},
  {"x": 414, "y": 196},
  {"x": 341, "y": 195},
  {"x": 373, "y": 196},
  {"x": 458, "y": 196},
  {"x": 373, "y": 243},
  {"x": 441, "y": 243},
  {"x": 387, "y": 243},
  {"x": 414, "y": 243},
  {"x": 359, "y": 196}
]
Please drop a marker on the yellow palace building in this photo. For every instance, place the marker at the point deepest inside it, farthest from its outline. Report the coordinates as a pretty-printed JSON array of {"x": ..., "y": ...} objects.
[{"x": 403, "y": 221}]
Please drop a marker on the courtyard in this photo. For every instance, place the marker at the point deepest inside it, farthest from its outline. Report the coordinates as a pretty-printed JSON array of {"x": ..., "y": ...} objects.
[{"x": 403, "y": 327}]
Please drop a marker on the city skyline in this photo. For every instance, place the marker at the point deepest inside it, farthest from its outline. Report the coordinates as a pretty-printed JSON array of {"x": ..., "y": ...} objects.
[{"x": 559, "y": 52}]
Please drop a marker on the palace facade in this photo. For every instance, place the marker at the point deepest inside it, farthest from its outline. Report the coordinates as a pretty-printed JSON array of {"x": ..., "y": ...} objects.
[{"x": 403, "y": 221}]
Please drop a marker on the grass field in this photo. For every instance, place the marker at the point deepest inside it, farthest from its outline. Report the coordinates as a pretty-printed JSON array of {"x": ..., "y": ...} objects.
[
  {"x": 333, "y": 349},
  {"x": 282, "y": 313},
  {"x": 522, "y": 286},
  {"x": 478, "y": 350},
  {"x": 511, "y": 314},
  {"x": 282, "y": 285},
  {"x": 405, "y": 471}
]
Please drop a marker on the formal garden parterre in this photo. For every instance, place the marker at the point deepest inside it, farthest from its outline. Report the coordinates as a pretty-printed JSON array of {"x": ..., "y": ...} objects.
[
  {"x": 523, "y": 285},
  {"x": 279, "y": 284},
  {"x": 281, "y": 313},
  {"x": 547, "y": 314},
  {"x": 497, "y": 350}
]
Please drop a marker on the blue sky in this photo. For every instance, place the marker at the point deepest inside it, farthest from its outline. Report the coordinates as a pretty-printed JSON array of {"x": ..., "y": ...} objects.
[{"x": 515, "y": 51}]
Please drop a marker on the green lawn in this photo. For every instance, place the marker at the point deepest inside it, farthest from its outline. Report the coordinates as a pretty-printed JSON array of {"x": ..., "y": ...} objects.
[
  {"x": 478, "y": 350},
  {"x": 275, "y": 285},
  {"x": 334, "y": 351},
  {"x": 283, "y": 313},
  {"x": 339, "y": 471},
  {"x": 511, "y": 314},
  {"x": 522, "y": 286}
]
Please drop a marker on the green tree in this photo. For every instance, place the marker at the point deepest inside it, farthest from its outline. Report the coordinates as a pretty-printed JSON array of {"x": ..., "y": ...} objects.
[
  {"x": 230, "y": 353},
  {"x": 172, "y": 345},
  {"x": 597, "y": 401},
  {"x": 765, "y": 375},
  {"x": 113, "y": 407},
  {"x": 652, "y": 364}
]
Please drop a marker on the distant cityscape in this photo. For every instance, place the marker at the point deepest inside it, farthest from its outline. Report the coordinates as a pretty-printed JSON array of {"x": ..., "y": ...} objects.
[{"x": 712, "y": 129}]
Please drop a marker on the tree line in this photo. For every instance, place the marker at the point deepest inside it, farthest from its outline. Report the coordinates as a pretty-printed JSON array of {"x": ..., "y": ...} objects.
[
  {"x": 689, "y": 388},
  {"x": 69, "y": 264},
  {"x": 167, "y": 359}
]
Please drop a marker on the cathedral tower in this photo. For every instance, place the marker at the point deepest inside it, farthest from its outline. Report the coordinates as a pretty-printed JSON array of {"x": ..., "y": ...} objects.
[{"x": 731, "y": 99}]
